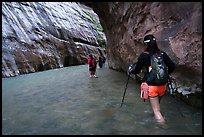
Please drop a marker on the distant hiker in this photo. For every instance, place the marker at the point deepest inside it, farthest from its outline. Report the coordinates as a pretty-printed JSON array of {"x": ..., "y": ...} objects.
[
  {"x": 155, "y": 63},
  {"x": 92, "y": 61},
  {"x": 100, "y": 61},
  {"x": 104, "y": 59}
]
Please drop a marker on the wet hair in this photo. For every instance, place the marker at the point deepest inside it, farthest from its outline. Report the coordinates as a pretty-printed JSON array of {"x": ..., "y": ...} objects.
[{"x": 151, "y": 43}]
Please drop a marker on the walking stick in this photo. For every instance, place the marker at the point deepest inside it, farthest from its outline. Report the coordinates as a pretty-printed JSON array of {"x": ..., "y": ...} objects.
[{"x": 125, "y": 88}]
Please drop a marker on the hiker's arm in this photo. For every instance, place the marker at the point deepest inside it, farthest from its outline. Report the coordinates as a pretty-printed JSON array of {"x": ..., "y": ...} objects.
[{"x": 139, "y": 64}]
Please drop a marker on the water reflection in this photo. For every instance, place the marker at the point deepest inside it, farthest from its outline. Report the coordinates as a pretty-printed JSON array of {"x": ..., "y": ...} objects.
[{"x": 66, "y": 101}]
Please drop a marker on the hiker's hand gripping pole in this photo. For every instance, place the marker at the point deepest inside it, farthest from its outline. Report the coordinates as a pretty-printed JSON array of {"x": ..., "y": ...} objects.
[{"x": 131, "y": 65}]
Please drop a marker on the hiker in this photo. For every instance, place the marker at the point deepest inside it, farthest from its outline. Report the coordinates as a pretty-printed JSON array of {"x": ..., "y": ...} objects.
[
  {"x": 155, "y": 90},
  {"x": 100, "y": 61},
  {"x": 92, "y": 61}
]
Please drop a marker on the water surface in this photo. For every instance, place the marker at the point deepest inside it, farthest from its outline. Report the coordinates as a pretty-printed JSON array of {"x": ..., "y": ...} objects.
[{"x": 66, "y": 101}]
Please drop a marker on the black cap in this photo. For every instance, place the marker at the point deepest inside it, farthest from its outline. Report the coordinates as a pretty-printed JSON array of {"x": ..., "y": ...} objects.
[{"x": 149, "y": 40}]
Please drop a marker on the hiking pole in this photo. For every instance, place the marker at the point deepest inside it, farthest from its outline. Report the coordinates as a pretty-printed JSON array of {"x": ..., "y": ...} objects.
[
  {"x": 131, "y": 65},
  {"x": 125, "y": 89}
]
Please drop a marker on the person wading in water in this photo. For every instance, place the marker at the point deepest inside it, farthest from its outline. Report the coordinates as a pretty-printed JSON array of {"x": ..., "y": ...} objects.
[
  {"x": 92, "y": 65},
  {"x": 156, "y": 88}
]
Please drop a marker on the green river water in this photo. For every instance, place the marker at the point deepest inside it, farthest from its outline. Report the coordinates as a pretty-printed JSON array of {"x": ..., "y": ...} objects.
[{"x": 67, "y": 101}]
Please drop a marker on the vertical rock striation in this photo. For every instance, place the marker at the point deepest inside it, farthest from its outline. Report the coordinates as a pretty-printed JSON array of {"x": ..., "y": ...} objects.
[
  {"x": 176, "y": 25},
  {"x": 37, "y": 36}
]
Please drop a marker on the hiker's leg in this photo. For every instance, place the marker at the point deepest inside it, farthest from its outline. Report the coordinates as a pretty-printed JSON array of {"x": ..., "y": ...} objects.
[
  {"x": 90, "y": 72},
  {"x": 154, "y": 101}
]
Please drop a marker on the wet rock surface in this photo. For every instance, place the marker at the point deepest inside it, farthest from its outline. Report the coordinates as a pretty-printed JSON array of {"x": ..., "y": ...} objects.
[
  {"x": 186, "y": 92},
  {"x": 38, "y": 36},
  {"x": 176, "y": 25}
]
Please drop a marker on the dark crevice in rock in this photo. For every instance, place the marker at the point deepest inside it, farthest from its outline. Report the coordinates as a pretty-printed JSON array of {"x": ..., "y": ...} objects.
[
  {"x": 70, "y": 60},
  {"x": 40, "y": 67}
]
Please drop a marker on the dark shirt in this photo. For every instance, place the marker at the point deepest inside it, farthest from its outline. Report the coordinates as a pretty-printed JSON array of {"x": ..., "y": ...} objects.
[{"x": 144, "y": 61}]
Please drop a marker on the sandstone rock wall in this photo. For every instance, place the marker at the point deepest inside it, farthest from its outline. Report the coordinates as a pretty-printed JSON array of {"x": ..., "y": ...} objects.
[
  {"x": 37, "y": 36},
  {"x": 178, "y": 29},
  {"x": 176, "y": 25}
]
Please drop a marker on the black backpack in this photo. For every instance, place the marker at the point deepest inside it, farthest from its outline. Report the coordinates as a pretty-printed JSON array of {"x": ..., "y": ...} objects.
[{"x": 158, "y": 71}]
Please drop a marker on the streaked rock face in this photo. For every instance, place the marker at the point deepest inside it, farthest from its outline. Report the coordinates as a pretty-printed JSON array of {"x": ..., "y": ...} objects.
[
  {"x": 176, "y": 25},
  {"x": 37, "y": 36},
  {"x": 40, "y": 36}
]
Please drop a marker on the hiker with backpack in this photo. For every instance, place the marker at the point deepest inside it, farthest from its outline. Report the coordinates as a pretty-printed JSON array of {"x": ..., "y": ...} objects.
[
  {"x": 158, "y": 66},
  {"x": 92, "y": 61}
]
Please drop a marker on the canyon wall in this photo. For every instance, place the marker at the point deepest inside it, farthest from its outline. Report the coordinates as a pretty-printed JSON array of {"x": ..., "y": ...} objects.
[
  {"x": 38, "y": 36},
  {"x": 177, "y": 27}
]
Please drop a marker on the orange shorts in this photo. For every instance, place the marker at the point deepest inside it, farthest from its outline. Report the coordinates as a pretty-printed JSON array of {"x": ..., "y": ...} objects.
[{"x": 157, "y": 90}]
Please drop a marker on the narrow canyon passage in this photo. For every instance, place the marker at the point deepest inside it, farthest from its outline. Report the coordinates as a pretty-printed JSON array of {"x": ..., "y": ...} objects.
[{"x": 67, "y": 101}]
